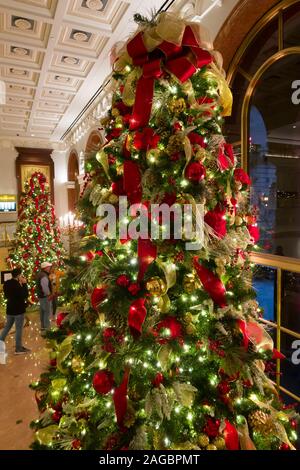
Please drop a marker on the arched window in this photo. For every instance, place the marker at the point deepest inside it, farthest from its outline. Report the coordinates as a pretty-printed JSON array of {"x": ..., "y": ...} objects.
[
  {"x": 265, "y": 130},
  {"x": 73, "y": 186},
  {"x": 94, "y": 142}
]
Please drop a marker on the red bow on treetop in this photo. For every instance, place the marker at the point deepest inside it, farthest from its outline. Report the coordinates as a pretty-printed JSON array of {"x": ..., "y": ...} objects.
[{"x": 180, "y": 60}]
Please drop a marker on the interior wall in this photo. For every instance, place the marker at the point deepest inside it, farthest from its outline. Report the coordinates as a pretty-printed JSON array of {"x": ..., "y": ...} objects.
[
  {"x": 60, "y": 158},
  {"x": 8, "y": 181}
]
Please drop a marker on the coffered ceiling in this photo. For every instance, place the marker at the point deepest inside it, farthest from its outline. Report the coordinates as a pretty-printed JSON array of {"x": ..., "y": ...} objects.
[{"x": 54, "y": 55}]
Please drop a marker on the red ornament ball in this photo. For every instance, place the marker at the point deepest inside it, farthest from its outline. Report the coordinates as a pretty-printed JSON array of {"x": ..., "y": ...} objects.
[
  {"x": 134, "y": 288},
  {"x": 294, "y": 423},
  {"x": 223, "y": 388},
  {"x": 212, "y": 427},
  {"x": 195, "y": 172},
  {"x": 109, "y": 333},
  {"x": 60, "y": 317},
  {"x": 98, "y": 295},
  {"x": 158, "y": 379},
  {"x": 284, "y": 447},
  {"x": 103, "y": 381},
  {"x": 123, "y": 280},
  {"x": 56, "y": 416},
  {"x": 76, "y": 444}
]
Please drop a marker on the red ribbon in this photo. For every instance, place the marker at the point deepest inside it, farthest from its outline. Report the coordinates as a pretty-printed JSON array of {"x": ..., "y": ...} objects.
[
  {"x": 243, "y": 327},
  {"x": 250, "y": 330},
  {"x": 278, "y": 355},
  {"x": 147, "y": 253},
  {"x": 132, "y": 182},
  {"x": 231, "y": 436},
  {"x": 211, "y": 283},
  {"x": 120, "y": 399},
  {"x": 182, "y": 61},
  {"x": 136, "y": 316}
]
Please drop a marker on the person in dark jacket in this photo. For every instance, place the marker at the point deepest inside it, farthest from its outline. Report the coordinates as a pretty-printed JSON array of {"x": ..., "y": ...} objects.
[{"x": 16, "y": 293}]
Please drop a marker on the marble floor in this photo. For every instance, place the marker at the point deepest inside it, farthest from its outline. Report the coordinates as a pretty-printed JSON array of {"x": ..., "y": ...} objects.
[{"x": 17, "y": 402}]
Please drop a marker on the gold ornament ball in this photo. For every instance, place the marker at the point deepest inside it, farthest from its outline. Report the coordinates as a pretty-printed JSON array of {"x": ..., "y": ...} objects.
[
  {"x": 189, "y": 283},
  {"x": 177, "y": 105},
  {"x": 115, "y": 112},
  {"x": 211, "y": 447},
  {"x": 119, "y": 122},
  {"x": 184, "y": 446},
  {"x": 156, "y": 286},
  {"x": 77, "y": 364},
  {"x": 238, "y": 220},
  {"x": 219, "y": 442},
  {"x": 188, "y": 317},
  {"x": 190, "y": 329},
  {"x": 164, "y": 304},
  {"x": 203, "y": 440}
]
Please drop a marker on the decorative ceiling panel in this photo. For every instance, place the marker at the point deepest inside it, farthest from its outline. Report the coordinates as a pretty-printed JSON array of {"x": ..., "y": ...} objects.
[
  {"x": 54, "y": 55},
  {"x": 98, "y": 11},
  {"x": 13, "y": 111},
  {"x": 69, "y": 63},
  {"x": 19, "y": 90},
  {"x": 51, "y": 94},
  {"x": 17, "y": 25},
  {"x": 51, "y": 116}
]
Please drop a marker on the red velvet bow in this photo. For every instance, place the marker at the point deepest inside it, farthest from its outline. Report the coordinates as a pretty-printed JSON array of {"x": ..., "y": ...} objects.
[
  {"x": 250, "y": 330},
  {"x": 231, "y": 436},
  {"x": 147, "y": 253},
  {"x": 136, "y": 316},
  {"x": 120, "y": 400},
  {"x": 211, "y": 283},
  {"x": 132, "y": 182},
  {"x": 182, "y": 61}
]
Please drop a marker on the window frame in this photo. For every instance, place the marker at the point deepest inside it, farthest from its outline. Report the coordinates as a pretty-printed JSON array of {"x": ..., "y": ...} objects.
[{"x": 280, "y": 263}]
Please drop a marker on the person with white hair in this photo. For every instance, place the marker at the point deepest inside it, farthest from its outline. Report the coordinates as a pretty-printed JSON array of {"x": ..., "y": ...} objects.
[{"x": 44, "y": 293}]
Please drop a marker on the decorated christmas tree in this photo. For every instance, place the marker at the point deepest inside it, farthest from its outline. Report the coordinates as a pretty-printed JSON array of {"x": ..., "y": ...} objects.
[
  {"x": 160, "y": 346},
  {"x": 37, "y": 236}
]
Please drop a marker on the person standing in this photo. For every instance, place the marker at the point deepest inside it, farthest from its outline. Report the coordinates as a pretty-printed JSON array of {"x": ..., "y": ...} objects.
[
  {"x": 44, "y": 293},
  {"x": 16, "y": 293},
  {"x": 53, "y": 280}
]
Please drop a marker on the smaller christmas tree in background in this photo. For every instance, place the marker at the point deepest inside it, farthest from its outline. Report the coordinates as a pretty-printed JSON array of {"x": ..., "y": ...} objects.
[{"x": 37, "y": 236}]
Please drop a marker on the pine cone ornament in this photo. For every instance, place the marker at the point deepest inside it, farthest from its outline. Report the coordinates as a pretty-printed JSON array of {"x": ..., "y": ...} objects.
[
  {"x": 129, "y": 419},
  {"x": 257, "y": 420},
  {"x": 175, "y": 144}
]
